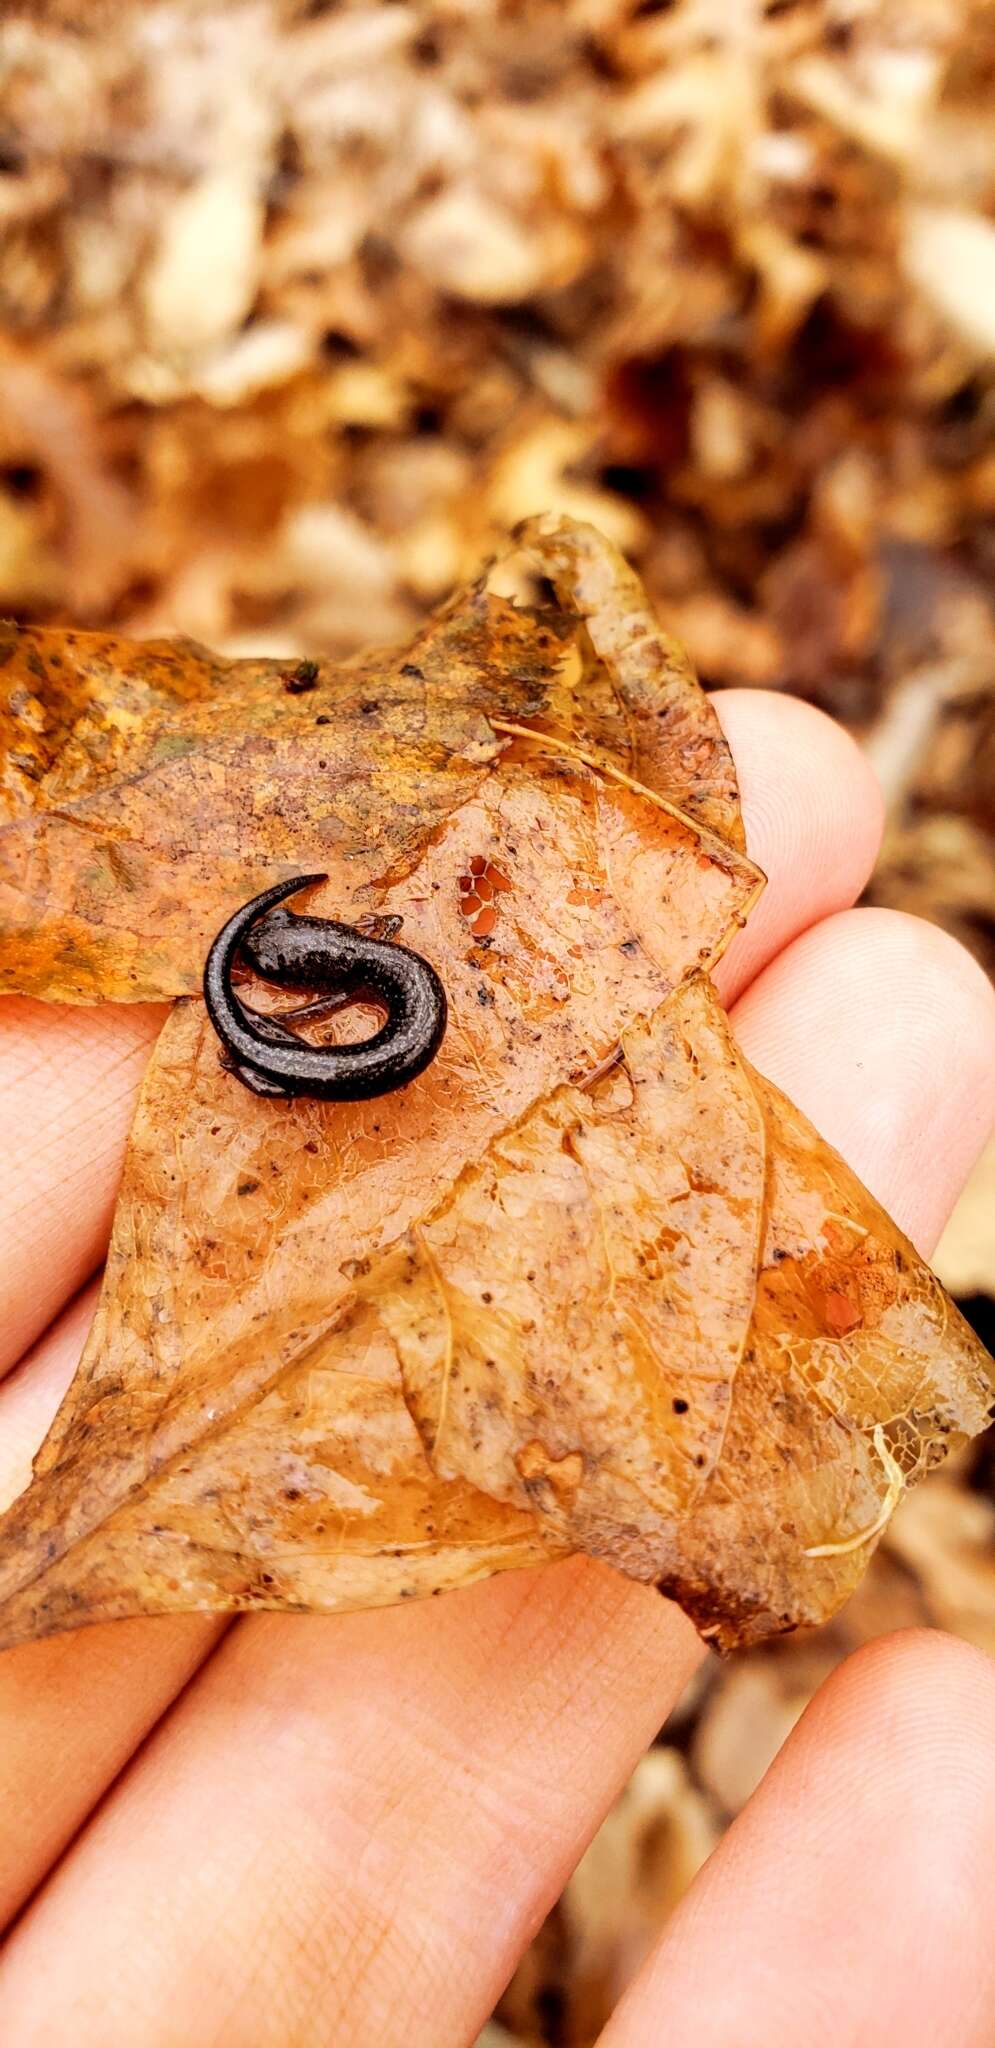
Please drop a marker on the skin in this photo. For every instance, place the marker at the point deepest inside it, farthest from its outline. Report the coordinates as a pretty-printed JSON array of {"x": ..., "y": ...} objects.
[{"x": 300, "y": 1832}]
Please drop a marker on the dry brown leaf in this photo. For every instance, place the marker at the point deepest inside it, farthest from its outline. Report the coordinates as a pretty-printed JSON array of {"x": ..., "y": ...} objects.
[
  {"x": 494, "y": 2036},
  {"x": 744, "y": 1727},
  {"x": 202, "y": 280},
  {"x": 950, "y": 256},
  {"x": 965, "y": 1255},
  {"x": 542, "y": 1300},
  {"x": 747, "y": 1707},
  {"x": 644, "y": 1856},
  {"x": 946, "y": 1535},
  {"x": 149, "y": 789}
]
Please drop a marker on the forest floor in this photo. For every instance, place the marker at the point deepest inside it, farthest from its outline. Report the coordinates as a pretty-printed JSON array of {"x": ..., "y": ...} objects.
[{"x": 302, "y": 306}]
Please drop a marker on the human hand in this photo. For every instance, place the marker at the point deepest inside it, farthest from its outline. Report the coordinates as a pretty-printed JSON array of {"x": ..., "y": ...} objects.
[{"x": 300, "y": 1831}]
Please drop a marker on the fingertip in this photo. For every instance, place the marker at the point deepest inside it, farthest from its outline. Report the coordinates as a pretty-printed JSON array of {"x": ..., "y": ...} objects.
[
  {"x": 910, "y": 1720},
  {"x": 776, "y": 737},
  {"x": 852, "y": 1892},
  {"x": 31, "y": 1394},
  {"x": 881, "y": 1028},
  {"x": 929, "y": 1690},
  {"x": 813, "y": 813},
  {"x": 68, "y": 1083}
]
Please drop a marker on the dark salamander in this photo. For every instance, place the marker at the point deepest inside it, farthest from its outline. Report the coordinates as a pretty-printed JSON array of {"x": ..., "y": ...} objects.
[{"x": 345, "y": 966}]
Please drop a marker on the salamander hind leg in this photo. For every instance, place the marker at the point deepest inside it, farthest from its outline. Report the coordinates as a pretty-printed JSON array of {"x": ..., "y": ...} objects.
[{"x": 259, "y": 1083}]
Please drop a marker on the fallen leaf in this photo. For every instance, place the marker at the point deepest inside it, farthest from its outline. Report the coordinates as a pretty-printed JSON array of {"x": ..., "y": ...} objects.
[
  {"x": 946, "y": 1536},
  {"x": 743, "y": 1728},
  {"x": 965, "y": 1255},
  {"x": 589, "y": 1283},
  {"x": 645, "y": 1854},
  {"x": 858, "y": 1376},
  {"x": 203, "y": 276},
  {"x": 950, "y": 255},
  {"x": 149, "y": 789}
]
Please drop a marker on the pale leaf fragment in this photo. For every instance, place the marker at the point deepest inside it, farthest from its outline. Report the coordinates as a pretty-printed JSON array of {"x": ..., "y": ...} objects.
[
  {"x": 202, "y": 278},
  {"x": 950, "y": 256}
]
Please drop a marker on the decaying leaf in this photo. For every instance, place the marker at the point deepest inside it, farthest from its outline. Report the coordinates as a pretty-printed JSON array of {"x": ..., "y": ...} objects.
[
  {"x": 965, "y": 1255},
  {"x": 148, "y": 789},
  {"x": 589, "y": 1283}
]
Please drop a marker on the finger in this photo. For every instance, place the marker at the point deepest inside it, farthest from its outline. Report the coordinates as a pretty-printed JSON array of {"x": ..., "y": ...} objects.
[
  {"x": 851, "y": 1901},
  {"x": 861, "y": 992},
  {"x": 68, "y": 1078},
  {"x": 72, "y": 1710},
  {"x": 813, "y": 814},
  {"x": 394, "y": 1799},
  {"x": 319, "y": 1799},
  {"x": 32, "y": 1394}
]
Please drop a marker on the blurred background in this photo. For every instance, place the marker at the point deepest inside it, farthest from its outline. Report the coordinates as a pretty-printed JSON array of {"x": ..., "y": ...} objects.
[{"x": 302, "y": 305}]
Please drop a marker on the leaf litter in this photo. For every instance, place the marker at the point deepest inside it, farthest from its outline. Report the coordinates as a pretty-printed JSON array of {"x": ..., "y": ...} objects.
[{"x": 751, "y": 385}]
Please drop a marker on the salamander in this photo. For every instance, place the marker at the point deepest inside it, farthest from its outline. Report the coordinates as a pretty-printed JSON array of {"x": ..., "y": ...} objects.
[{"x": 346, "y": 966}]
